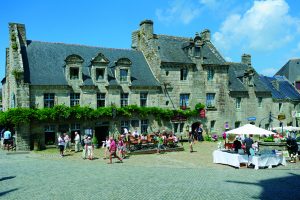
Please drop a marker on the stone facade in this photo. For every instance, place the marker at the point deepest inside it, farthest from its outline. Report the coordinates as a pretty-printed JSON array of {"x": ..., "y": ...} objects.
[{"x": 185, "y": 71}]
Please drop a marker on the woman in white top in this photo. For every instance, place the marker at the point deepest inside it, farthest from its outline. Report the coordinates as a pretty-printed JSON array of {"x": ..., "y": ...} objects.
[
  {"x": 107, "y": 145},
  {"x": 61, "y": 145}
]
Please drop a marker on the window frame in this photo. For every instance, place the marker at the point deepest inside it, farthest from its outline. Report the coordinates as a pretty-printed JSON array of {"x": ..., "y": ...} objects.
[
  {"x": 100, "y": 99},
  {"x": 210, "y": 73},
  {"x": 74, "y": 99},
  {"x": 184, "y": 100},
  {"x": 210, "y": 102},
  {"x": 72, "y": 74},
  {"x": 144, "y": 125},
  {"x": 124, "y": 78},
  {"x": 124, "y": 99},
  {"x": 48, "y": 101},
  {"x": 143, "y": 99},
  {"x": 238, "y": 103},
  {"x": 183, "y": 74}
]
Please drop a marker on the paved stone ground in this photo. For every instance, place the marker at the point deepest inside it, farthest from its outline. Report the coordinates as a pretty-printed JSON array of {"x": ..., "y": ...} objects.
[{"x": 175, "y": 175}]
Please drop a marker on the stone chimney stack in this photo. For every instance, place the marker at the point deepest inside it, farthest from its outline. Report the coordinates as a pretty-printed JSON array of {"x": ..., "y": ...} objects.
[
  {"x": 19, "y": 31},
  {"x": 205, "y": 35},
  {"x": 246, "y": 59},
  {"x": 146, "y": 28}
]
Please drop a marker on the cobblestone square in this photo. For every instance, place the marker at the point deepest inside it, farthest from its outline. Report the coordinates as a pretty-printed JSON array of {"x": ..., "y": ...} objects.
[{"x": 172, "y": 175}]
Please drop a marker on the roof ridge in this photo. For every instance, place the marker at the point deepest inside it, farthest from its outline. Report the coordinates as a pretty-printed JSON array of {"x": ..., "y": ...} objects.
[
  {"x": 172, "y": 36},
  {"x": 83, "y": 45}
]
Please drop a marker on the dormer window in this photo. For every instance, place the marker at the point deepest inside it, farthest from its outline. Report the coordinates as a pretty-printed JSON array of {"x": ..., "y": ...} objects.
[
  {"x": 74, "y": 72},
  {"x": 123, "y": 72},
  {"x": 197, "y": 51},
  {"x": 99, "y": 68},
  {"x": 210, "y": 74},
  {"x": 123, "y": 75},
  {"x": 100, "y": 74},
  {"x": 74, "y": 67}
]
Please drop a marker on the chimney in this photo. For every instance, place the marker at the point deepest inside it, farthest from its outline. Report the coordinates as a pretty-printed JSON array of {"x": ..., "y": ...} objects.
[
  {"x": 246, "y": 59},
  {"x": 205, "y": 35},
  {"x": 20, "y": 32},
  {"x": 146, "y": 27}
]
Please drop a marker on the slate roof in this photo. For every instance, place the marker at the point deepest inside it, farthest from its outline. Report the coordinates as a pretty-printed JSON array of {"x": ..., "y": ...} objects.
[
  {"x": 44, "y": 63},
  {"x": 291, "y": 70},
  {"x": 285, "y": 89},
  {"x": 171, "y": 50},
  {"x": 236, "y": 72}
]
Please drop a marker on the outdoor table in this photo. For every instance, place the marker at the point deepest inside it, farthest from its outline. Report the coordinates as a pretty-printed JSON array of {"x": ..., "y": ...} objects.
[
  {"x": 267, "y": 160},
  {"x": 227, "y": 158}
]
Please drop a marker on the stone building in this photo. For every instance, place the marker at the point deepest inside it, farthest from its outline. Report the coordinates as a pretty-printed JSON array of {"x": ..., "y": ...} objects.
[
  {"x": 291, "y": 70},
  {"x": 160, "y": 71}
]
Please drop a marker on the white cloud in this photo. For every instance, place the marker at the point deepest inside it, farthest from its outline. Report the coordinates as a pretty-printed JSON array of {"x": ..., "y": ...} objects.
[
  {"x": 269, "y": 71},
  {"x": 179, "y": 10},
  {"x": 265, "y": 26}
]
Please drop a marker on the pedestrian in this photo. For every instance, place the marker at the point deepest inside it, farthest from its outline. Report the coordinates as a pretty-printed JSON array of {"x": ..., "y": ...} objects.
[
  {"x": 77, "y": 142},
  {"x": 67, "y": 142},
  {"x": 248, "y": 143},
  {"x": 121, "y": 147},
  {"x": 84, "y": 147},
  {"x": 107, "y": 145},
  {"x": 160, "y": 143},
  {"x": 199, "y": 133},
  {"x": 61, "y": 145},
  {"x": 191, "y": 139},
  {"x": 89, "y": 148},
  {"x": 7, "y": 139},
  {"x": 112, "y": 151}
]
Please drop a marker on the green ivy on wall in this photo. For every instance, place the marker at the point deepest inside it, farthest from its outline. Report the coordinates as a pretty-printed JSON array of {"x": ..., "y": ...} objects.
[{"x": 16, "y": 116}]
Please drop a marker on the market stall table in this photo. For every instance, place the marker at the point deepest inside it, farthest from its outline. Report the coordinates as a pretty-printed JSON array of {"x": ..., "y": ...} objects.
[
  {"x": 233, "y": 159},
  {"x": 267, "y": 160}
]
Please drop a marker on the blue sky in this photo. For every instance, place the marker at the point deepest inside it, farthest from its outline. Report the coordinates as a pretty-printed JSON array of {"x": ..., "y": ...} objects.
[{"x": 268, "y": 30}]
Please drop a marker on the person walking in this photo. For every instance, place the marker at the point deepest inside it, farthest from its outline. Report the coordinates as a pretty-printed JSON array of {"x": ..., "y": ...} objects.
[
  {"x": 77, "y": 142},
  {"x": 112, "y": 151},
  {"x": 7, "y": 139},
  {"x": 90, "y": 148},
  {"x": 248, "y": 143},
  {"x": 61, "y": 145},
  {"x": 121, "y": 147},
  {"x": 84, "y": 147}
]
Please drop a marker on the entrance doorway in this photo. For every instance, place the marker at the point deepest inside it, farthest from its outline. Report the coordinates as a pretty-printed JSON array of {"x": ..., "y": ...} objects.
[{"x": 100, "y": 133}]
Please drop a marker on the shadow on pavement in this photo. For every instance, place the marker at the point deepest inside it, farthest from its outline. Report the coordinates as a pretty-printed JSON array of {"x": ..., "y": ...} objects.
[
  {"x": 278, "y": 188},
  {"x": 7, "y": 178},
  {"x": 8, "y": 191}
]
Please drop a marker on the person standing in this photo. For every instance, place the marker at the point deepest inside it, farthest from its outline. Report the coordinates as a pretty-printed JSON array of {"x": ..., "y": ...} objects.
[
  {"x": 67, "y": 142},
  {"x": 90, "y": 148},
  {"x": 7, "y": 139},
  {"x": 61, "y": 145},
  {"x": 84, "y": 147},
  {"x": 191, "y": 140},
  {"x": 107, "y": 145},
  {"x": 77, "y": 142},
  {"x": 199, "y": 133},
  {"x": 112, "y": 151},
  {"x": 248, "y": 143}
]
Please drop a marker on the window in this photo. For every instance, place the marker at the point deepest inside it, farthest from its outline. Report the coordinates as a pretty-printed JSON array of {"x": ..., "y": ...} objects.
[
  {"x": 144, "y": 126},
  {"x": 212, "y": 125},
  {"x": 124, "y": 75},
  {"x": 48, "y": 100},
  {"x": 74, "y": 73},
  {"x": 237, "y": 124},
  {"x": 74, "y": 99},
  {"x": 210, "y": 100},
  {"x": 124, "y": 99},
  {"x": 175, "y": 127},
  {"x": 238, "y": 102},
  {"x": 197, "y": 51},
  {"x": 100, "y": 100},
  {"x": 99, "y": 74},
  {"x": 259, "y": 100},
  {"x": 184, "y": 100},
  {"x": 124, "y": 124},
  {"x": 280, "y": 106},
  {"x": 210, "y": 74},
  {"x": 183, "y": 74},
  {"x": 143, "y": 99},
  {"x": 135, "y": 123}
]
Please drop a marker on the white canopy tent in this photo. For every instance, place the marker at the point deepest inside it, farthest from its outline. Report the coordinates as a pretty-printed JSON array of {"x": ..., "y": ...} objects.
[{"x": 249, "y": 129}]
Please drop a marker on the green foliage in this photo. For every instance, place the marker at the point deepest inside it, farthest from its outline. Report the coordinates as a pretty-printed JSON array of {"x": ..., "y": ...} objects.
[
  {"x": 14, "y": 46},
  {"x": 269, "y": 139},
  {"x": 199, "y": 106},
  {"x": 13, "y": 37},
  {"x": 207, "y": 138},
  {"x": 18, "y": 116},
  {"x": 16, "y": 73},
  {"x": 95, "y": 140}
]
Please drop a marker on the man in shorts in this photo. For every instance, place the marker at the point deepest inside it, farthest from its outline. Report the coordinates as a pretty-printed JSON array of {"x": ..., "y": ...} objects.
[
  {"x": 112, "y": 150},
  {"x": 7, "y": 139}
]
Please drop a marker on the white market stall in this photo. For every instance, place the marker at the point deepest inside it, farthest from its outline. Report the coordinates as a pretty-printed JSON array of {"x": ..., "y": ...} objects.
[{"x": 250, "y": 129}]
